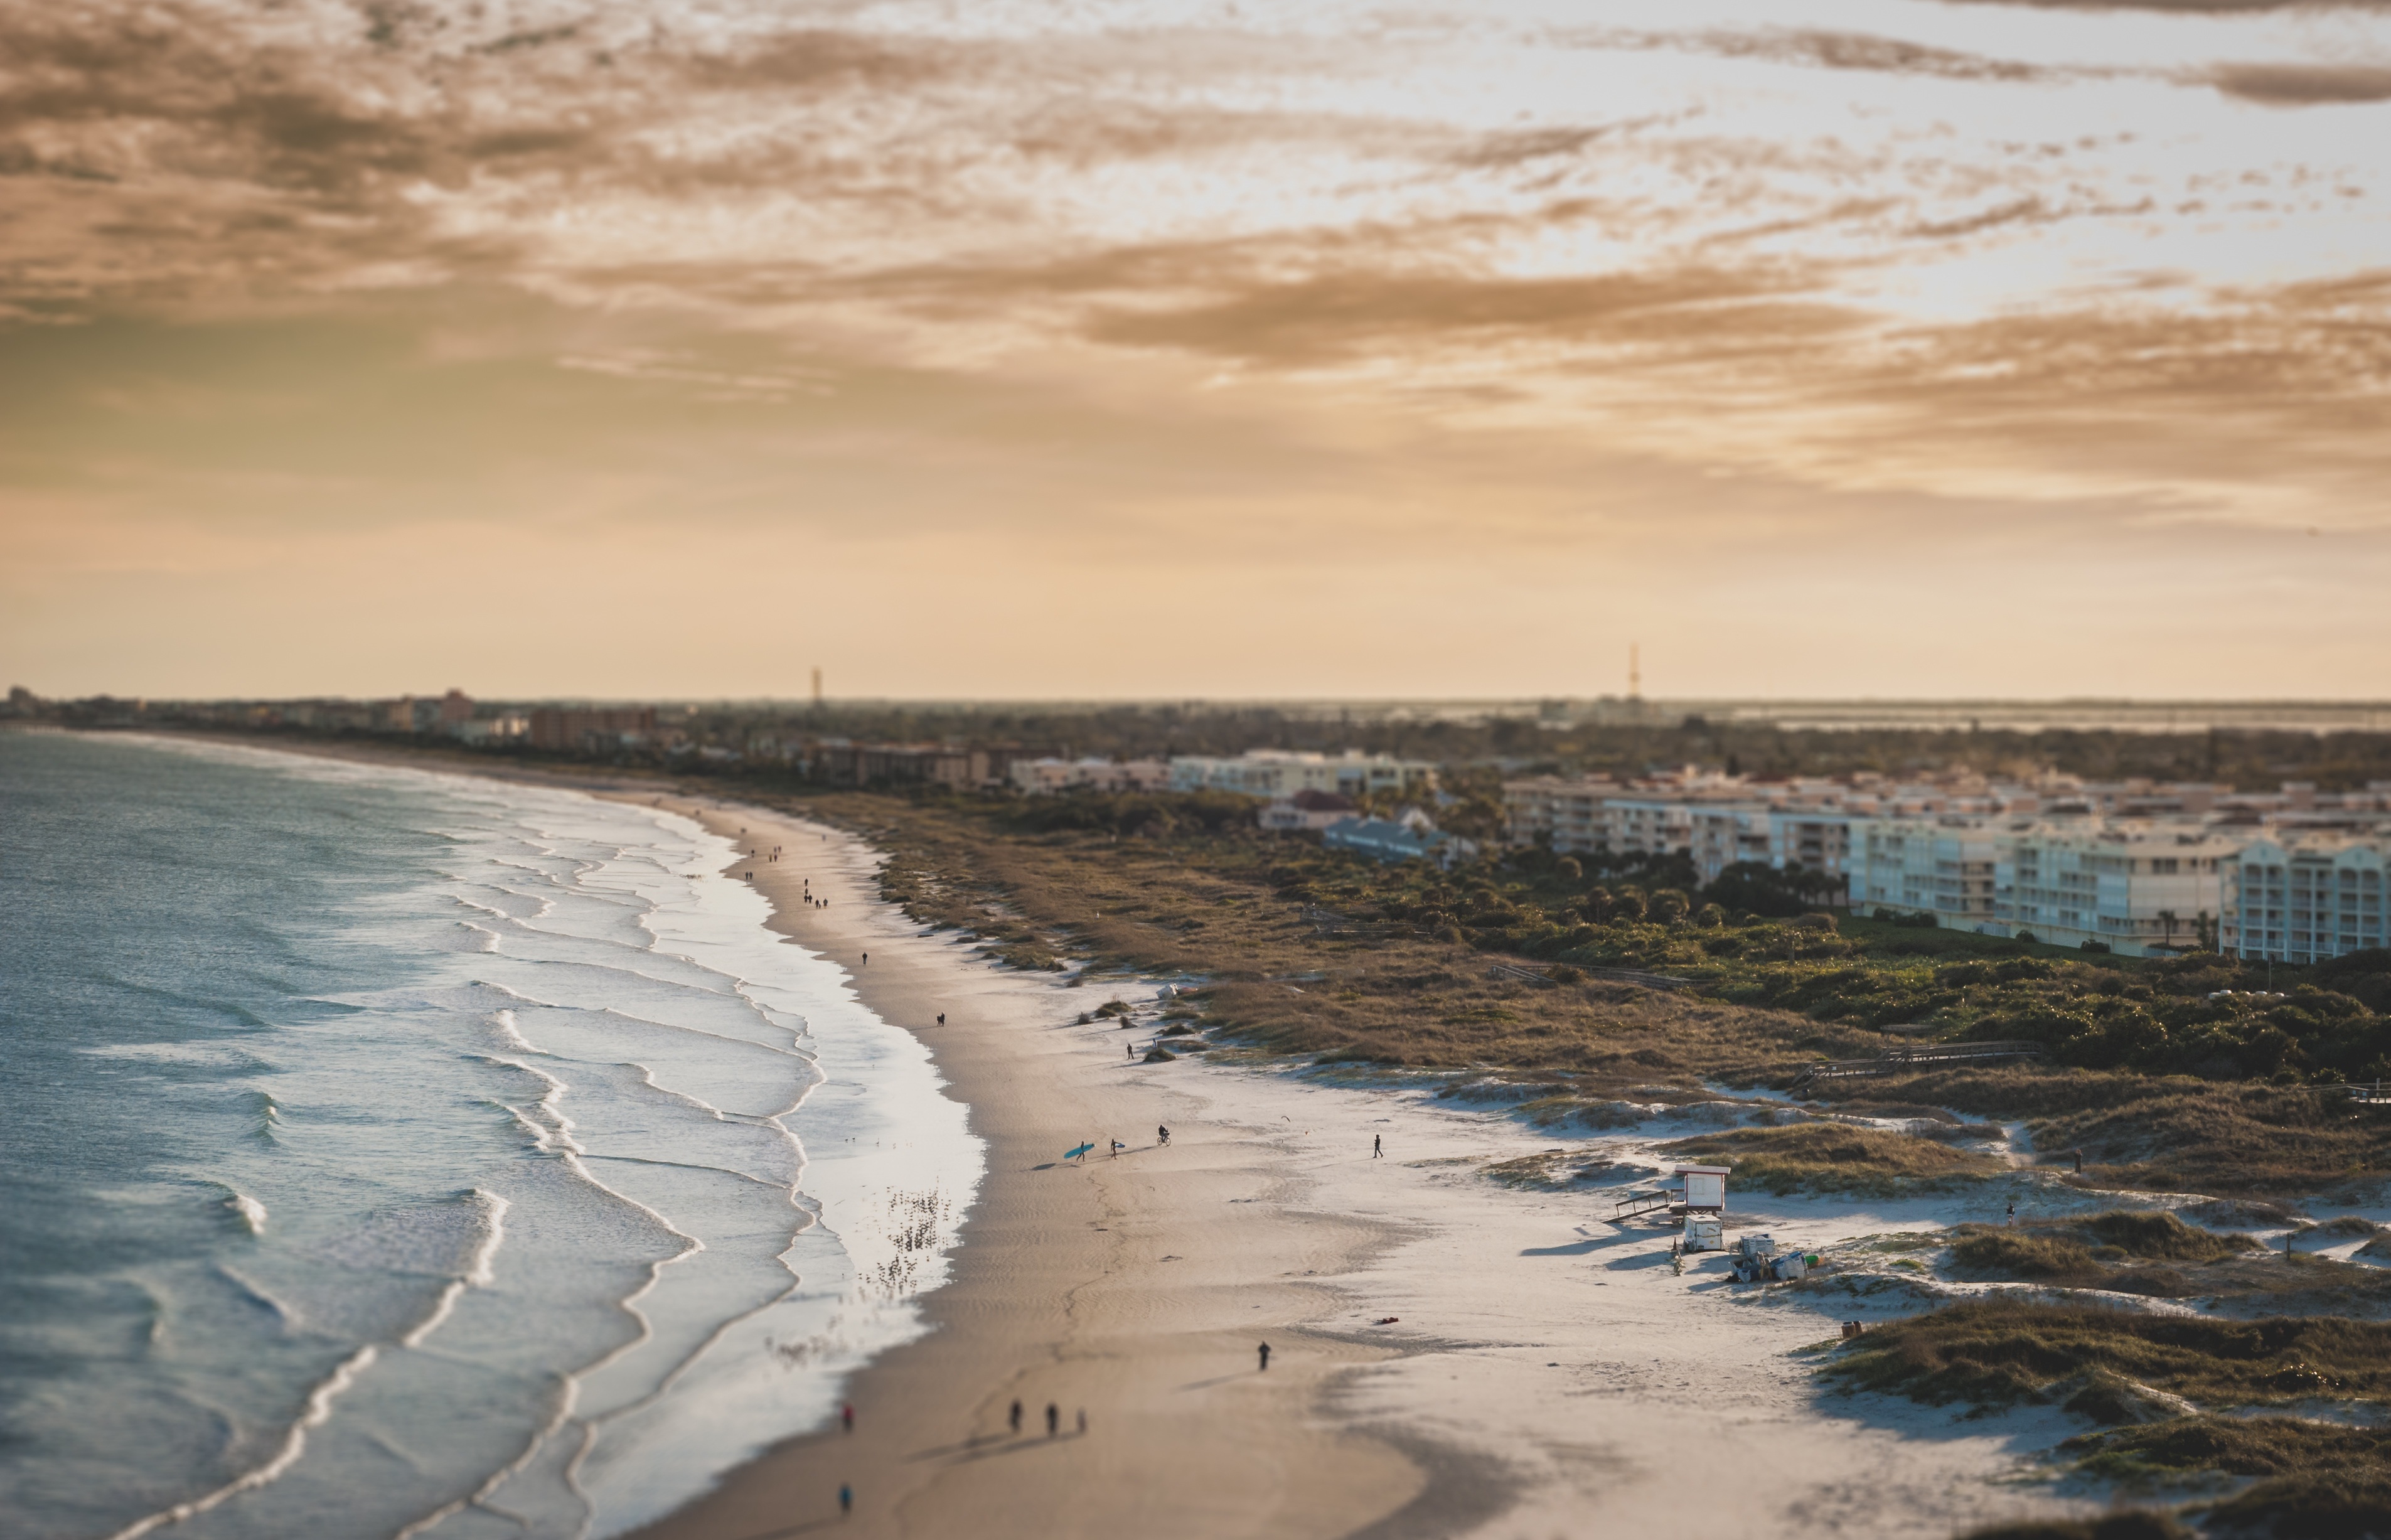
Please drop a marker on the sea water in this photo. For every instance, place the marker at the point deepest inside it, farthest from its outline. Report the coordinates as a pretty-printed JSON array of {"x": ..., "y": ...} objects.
[{"x": 386, "y": 1153}]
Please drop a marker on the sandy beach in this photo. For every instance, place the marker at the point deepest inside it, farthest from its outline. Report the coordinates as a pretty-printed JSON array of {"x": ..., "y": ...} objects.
[
  {"x": 1452, "y": 1355},
  {"x": 1544, "y": 1373}
]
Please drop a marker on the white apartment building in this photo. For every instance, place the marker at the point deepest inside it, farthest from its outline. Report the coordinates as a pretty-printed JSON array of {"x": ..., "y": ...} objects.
[
  {"x": 1945, "y": 865},
  {"x": 2137, "y": 888},
  {"x": 1815, "y": 838},
  {"x": 1573, "y": 815},
  {"x": 2306, "y": 898},
  {"x": 1044, "y": 777},
  {"x": 1714, "y": 821},
  {"x": 1284, "y": 772}
]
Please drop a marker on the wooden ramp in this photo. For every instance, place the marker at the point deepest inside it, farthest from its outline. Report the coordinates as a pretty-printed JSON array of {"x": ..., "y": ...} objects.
[{"x": 1637, "y": 1204}]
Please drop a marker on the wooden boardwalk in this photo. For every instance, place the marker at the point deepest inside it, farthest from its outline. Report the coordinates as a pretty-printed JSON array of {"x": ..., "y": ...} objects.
[{"x": 1904, "y": 1061}]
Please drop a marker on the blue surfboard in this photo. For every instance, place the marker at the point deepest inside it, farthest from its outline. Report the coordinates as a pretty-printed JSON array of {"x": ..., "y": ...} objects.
[{"x": 1074, "y": 1155}]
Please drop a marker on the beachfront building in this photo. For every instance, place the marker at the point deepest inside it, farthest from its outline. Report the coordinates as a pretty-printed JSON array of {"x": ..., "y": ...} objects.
[
  {"x": 1306, "y": 810},
  {"x": 1284, "y": 772},
  {"x": 1815, "y": 839},
  {"x": 1048, "y": 776},
  {"x": 1714, "y": 821},
  {"x": 1944, "y": 866},
  {"x": 841, "y": 763},
  {"x": 572, "y": 729},
  {"x": 2135, "y": 887},
  {"x": 1573, "y": 817},
  {"x": 2306, "y": 898}
]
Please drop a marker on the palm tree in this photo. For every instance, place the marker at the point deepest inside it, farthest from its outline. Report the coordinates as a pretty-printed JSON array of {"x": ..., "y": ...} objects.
[{"x": 2167, "y": 922}]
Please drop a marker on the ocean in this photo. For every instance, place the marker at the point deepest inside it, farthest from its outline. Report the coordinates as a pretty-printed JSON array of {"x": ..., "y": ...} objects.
[{"x": 395, "y": 1153}]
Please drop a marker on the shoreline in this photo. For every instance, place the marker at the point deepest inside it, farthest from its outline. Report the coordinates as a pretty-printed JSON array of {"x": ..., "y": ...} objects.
[
  {"x": 1136, "y": 1288},
  {"x": 1521, "y": 1367},
  {"x": 1100, "y": 1286}
]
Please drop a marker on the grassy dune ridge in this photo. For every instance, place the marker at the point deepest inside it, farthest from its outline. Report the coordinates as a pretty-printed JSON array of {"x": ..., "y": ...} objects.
[{"x": 2160, "y": 1086}]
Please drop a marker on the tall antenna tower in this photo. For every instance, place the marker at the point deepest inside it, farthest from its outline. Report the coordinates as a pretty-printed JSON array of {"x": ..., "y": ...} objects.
[
  {"x": 816, "y": 687},
  {"x": 1635, "y": 675}
]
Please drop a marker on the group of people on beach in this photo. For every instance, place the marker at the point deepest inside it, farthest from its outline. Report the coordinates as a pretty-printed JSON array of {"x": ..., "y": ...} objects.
[{"x": 1053, "y": 1419}]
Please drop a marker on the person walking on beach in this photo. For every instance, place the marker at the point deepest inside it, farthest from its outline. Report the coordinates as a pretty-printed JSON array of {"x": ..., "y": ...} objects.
[
  {"x": 867, "y": 958},
  {"x": 1378, "y": 1147},
  {"x": 1053, "y": 1419},
  {"x": 1265, "y": 1356},
  {"x": 1017, "y": 1417},
  {"x": 1117, "y": 1147},
  {"x": 2010, "y": 1218},
  {"x": 845, "y": 1499},
  {"x": 1129, "y": 1048},
  {"x": 1161, "y": 1134},
  {"x": 847, "y": 1416}
]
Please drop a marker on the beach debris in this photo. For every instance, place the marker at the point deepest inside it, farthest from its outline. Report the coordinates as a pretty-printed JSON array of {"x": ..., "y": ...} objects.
[
  {"x": 1704, "y": 1234},
  {"x": 1388, "y": 1320},
  {"x": 1853, "y": 1328}
]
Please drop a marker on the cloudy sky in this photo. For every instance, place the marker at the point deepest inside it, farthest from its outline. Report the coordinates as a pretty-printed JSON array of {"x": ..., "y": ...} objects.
[{"x": 1078, "y": 348}]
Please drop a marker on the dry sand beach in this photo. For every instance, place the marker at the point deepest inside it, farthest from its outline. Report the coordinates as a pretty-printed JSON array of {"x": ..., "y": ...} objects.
[{"x": 1546, "y": 1373}]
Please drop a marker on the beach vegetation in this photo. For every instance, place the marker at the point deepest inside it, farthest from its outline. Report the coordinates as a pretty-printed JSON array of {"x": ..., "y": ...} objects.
[
  {"x": 1830, "y": 1156},
  {"x": 2123, "y": 1524},
  {"x": 2000, "y": 1352},
  {"x": 2307, "y": 1477}
]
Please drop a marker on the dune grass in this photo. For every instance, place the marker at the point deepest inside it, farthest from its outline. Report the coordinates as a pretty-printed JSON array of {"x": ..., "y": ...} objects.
[
  {"x": 2085, "y": 1253},
  {"x": 2313, "y": 1479},
  {"x": 2001, "y": 1352},
  {"x": 1201, "y": 892},
  {"x": 2129, "y": 1524},
  {"x": 1827, "y": 1156},
  {"x": 2164, "y": 1134}
]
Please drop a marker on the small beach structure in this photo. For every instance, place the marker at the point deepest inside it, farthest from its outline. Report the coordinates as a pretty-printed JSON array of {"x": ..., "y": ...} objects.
[
  {"x": 1705, "y": 1189},
  {"x": 1700, "y": 1193}
]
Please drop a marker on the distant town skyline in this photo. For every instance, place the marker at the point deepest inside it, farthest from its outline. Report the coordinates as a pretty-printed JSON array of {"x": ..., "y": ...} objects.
[{"x": 1156, "y": 350}]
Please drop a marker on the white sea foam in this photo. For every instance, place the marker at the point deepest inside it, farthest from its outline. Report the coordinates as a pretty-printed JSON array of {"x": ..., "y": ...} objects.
[{"x": 251, "y": 1212}]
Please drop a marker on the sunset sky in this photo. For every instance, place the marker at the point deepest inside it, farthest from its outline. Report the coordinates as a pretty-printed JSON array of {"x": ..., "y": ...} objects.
[{"x": 1162, "y": 350}]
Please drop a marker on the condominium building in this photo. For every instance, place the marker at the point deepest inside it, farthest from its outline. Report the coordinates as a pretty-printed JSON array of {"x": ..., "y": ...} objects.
[
  {"x": 1573, "y": 817},
  {"x": 2306, "y": 898},
  {"x": 2136, "y": 887},
  {"x": 1041, "y": 777},
  {"x": 570, "y": 729},
  {"x": 1284, "y": 772},
  {"x": 1945, "y": 866},
  {"x": 1712, "y": 820}
]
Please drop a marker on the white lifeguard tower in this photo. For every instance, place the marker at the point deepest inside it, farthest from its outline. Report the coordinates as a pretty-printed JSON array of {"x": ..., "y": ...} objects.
[
  {"x": 1703, "y": 1204},
  {"x": 1705, "y": 1190},
  {"x": 1699, "y": 1202}
]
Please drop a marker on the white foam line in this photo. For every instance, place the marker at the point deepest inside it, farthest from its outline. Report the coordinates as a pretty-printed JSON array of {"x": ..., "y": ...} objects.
[
  {"x": 597, "y": 1424},
  {"x": 693, "y": 1166},
  {"x": 695, "y": 1031},
  {"x": 317, "y": 1410},
  {"x": 477, "y": 1273},
  {"x": 481, "y": 1495}
]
